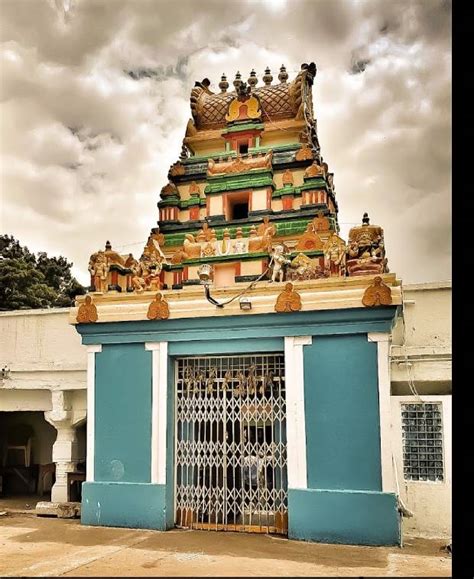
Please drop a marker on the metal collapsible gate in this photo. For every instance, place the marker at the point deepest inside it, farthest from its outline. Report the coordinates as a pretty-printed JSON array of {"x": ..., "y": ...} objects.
[{"x": 231, "y": 462}]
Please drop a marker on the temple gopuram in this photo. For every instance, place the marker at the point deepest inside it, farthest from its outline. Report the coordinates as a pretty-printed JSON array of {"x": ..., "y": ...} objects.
[{"x": 238, "y": 375}]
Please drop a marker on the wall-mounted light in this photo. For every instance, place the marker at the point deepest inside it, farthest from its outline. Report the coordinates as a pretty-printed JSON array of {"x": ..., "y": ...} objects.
[
  {"x": 205, "y": 273},
  {"x": 245, "y": 304}
]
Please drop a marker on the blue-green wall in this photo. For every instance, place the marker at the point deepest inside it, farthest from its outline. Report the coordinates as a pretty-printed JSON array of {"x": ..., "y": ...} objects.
[
  {"x": 342, "y": 413},
  {"x": 123, "y": 413},
  {"x": 135, "y": 505},
  {"x": 351, "y": 517},
  {"x": 342, "y": 503}
]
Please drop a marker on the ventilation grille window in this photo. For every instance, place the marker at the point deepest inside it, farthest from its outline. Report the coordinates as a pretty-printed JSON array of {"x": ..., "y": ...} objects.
[{"x": 422, "y": 434}]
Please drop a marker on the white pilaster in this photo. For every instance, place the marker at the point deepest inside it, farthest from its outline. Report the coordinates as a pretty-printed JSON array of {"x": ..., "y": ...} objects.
[
  {"x": 159, "y": 404},
  {"x": 295, "y": 414},
  {"x": 91, "y": 352},
  {"x": 65, "y": 448},
  {"x": 383, "y": 369}
]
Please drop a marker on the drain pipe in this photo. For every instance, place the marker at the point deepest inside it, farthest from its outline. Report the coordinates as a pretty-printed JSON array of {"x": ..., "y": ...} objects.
[{"x": 401, "y": 505}]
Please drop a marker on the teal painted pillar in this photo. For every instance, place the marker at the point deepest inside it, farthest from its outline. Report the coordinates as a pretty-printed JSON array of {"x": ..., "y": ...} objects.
[
  {"x": 120, "y": 490},
  {"x": 344, "y": 501}
]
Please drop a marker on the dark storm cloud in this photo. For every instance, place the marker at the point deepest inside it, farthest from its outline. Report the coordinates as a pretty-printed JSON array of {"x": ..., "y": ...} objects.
[{"x": 95, "y": 101}]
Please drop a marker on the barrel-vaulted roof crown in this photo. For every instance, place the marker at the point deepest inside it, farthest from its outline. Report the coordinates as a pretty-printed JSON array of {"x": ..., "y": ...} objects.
[{"x": 278, "y": 101}]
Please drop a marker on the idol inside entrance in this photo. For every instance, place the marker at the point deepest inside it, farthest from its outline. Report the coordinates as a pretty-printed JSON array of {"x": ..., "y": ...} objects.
[{"x": 231, "y": 459}]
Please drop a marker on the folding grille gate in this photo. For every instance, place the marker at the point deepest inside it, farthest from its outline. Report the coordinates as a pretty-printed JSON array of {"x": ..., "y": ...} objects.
[{"x": 231, "y": 463}]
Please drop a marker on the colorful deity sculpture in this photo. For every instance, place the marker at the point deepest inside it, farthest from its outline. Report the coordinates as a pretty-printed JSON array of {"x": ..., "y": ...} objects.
[
  {"x": 335, "y": 255},
  {"x": 279, "y": 262},
  {"x": 99, "y": 269},
  {"x": 303, "y": 267},
  {"x": 366, "y": 250},
  {"x": 289, "y": 300}
]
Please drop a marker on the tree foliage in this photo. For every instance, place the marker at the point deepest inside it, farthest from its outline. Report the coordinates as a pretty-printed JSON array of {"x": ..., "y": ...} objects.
[{"x": 29, "y": 281}]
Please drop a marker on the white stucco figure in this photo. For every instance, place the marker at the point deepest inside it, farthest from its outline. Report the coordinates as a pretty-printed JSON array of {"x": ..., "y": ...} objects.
[{"x": 278, "y": 262}]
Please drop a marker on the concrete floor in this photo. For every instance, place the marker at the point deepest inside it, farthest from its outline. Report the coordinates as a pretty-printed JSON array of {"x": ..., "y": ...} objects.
[
  {"x": 36, "y": 546},
  {"x": 22, "y": 503}
]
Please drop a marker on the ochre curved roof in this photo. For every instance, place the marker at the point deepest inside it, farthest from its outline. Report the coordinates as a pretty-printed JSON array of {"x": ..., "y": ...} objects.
[{"x": 279, "y": 101}]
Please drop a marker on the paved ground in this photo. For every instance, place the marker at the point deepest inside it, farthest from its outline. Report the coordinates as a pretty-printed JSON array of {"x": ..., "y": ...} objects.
[{"x": 39, "y": 546}]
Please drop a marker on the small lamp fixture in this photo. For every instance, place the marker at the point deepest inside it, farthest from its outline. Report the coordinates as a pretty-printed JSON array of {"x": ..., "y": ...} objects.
[
  {"x": 205, "y": 274},
  {"x": 245, "y": 304}
]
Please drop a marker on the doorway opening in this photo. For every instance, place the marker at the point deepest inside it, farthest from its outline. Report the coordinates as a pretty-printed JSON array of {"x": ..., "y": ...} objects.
[{"x": 27, "y": 471}]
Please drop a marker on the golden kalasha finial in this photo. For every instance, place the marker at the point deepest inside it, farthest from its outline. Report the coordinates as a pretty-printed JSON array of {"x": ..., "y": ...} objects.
[
  {"x": 237, "y": 81},
  {"x": 252, "y": 79},
  {"x": 267, "y": 77},
  {"x": 223, "y": 85},
  {"x": 283, "y": 76}
]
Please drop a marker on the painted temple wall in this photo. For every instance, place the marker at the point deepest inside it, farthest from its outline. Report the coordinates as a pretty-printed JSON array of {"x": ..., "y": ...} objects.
[
  {"x": 44, "y": 354},
  {"x": 259, "y": 199},
  {"x": 224, "y": 275},
  {"x": 277, "y": 205},
  {"x": 123, "y": 403},
  {"x": 214, "y": 147},
  {"x": 216, "y": 205},
  {"x": 275, "y": 138},
  {"x": 184, "y": 215},
  {"x": 297, "y": 202},
  {"x": 123, "y": 370},
  {"x": 251, "y": 268},
  {"x": 342, "y": 449}
]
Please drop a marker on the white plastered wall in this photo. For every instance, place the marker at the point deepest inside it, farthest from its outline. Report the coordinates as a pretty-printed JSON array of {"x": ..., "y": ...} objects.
[
  {"x": 45, "y": 359},
  {"x": 42, "y": 351},
  {"x": 429, "y": 501},
  {"x": 421, "y": 359}
]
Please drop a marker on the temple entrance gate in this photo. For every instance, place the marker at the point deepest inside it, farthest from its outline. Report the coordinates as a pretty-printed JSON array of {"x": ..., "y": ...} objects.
[{"x": 231, "y": 456}]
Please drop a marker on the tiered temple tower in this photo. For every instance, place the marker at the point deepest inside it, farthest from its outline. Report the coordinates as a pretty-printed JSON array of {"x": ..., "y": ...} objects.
[
  {"x": 284, "y": 369},
  {"x": 250, "y": 179}
]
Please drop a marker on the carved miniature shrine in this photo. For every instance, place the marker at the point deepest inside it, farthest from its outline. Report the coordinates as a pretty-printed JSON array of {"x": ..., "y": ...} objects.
[{"x": 238, "y": 367}]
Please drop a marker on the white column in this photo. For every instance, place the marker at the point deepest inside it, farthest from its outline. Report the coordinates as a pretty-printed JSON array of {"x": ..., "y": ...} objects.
[
  {"x": 295, "y": 413},
  {"x": 159, "y": 406},
  {"x": 65, "y": 448},
  {"x": 91, "y": 352},
  {"x": 383, "y": 369}
]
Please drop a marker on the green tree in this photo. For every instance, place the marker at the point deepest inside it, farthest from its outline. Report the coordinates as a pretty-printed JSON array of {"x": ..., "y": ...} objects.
[{"x": 34, "y": 281}]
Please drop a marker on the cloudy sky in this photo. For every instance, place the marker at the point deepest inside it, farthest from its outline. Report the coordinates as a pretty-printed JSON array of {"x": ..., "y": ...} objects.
[{"x": 95, "y": 100}]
